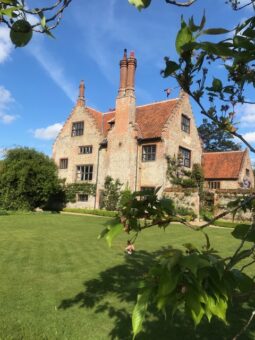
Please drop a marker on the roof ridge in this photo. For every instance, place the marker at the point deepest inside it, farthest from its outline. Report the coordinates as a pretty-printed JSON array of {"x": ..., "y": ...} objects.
[
  {"x": 162, "y": 101},
  {"x": 91, "y": 108},
  {"x": 211, "y": 152}
]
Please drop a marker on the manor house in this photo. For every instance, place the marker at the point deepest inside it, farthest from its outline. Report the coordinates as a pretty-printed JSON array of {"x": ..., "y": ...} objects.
[{"x": 129, "y": 143}]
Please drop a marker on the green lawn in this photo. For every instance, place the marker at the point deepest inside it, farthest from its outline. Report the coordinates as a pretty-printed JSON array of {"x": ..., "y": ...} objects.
[{"x": 57, "y": 281}]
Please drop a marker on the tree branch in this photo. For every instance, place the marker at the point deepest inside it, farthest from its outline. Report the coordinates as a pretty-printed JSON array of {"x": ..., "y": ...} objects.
[
  {"x": 181, "y": 4},
  {"x": 245, "y": 326}
]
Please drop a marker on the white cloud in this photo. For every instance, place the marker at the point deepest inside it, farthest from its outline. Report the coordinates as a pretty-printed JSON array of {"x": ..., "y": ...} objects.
[
  {"x": 249, "y": 136},
  {"x": 6, "y": 46},
  {"x": 6, "y": 100},
  {"x": 48, "y": 133},
  {"x": 52, "y": 67},
  {"x": 247, "y": 114}
]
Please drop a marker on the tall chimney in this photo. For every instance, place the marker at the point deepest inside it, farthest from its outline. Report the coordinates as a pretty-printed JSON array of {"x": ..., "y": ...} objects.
[
  {"x": 131, "y": 74},
  {"x": 81, "y": 98},
  {"x": 123, "y": 74}
]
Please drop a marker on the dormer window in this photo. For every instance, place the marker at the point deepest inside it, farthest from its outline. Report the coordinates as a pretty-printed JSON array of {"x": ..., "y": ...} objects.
[
  {"x": 77, "y": 129},
  {"x": 185, "y": 124}
]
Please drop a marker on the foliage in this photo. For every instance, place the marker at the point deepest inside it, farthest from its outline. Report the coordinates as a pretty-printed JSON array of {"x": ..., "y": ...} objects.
[
  {"x": 125, "y": 196},
  {"x": 97, "y": 212},
  {"x": 187, "y": 212},
  {"x": 111, "y": 193},
  {"x": 28, "y": 179},
  {"x": 200, "y": 281},
  {"x": 216, "y": 139},
  {"x": 73, "y": 189},
  {"x": 16, "y": 15},
  {"x": 178, "y": 175}
]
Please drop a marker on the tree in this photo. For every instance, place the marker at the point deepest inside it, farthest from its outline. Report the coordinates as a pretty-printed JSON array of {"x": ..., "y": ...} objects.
[
  {"x": 17, "y": 16},
  {"x": 29, "y": 179},
  {"x": 199, "y": 281},
  {"x": 216, "y": 139},
  {"x": 111, "y": 193}
]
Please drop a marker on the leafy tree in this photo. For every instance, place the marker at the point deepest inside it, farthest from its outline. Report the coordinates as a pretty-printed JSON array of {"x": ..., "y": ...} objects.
[
  {"x": 111, "y": 193},
  {"x": 29, "y": 179},
  {"x": 16, "y": 15},
  {"x": 197, "y": 281},
  {"x": 216, "y": 139}
]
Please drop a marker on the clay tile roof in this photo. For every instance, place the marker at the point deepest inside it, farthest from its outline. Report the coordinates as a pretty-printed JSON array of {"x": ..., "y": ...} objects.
[
  {"x": 151, "y": 118},
  {"x": 108, "y": 118},
  {"x": 97, "y": 117},
  {"x": 222, "y": 165}
]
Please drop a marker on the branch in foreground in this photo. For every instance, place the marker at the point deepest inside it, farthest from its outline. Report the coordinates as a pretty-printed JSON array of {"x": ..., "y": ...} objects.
[
  {"x": 207, "y": 224},
  {"x": 181, "y": 4},
  {"x": 246, "y": 326}
]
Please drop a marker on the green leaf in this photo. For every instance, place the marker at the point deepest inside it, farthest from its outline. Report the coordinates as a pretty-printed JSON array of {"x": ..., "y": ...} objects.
[
  {"x": 9, "y": 11},
  {"x": 103, "y": 233},
  {"x": 171, "y": 67},
  {"x": 216, "y": 306},
  {"x": 216, "y": 85},
  {"x": 241, "y": 230},
  {"x": 193, "y": 27},
  {"x": 140, "y": 4},
  {"x": 113, "y": 232},
  {"x": 9, "y": 2},
  {"x": 139, "y": 312},
  {"x": 168, "y": 282},
  {"x": 193, "y": 262},
  {"x": 184, "y": 36},
  {"x": 244, "y": 282},
  {"x": 48, "y": 32},
  {"x": 43, "y": 22},
  {"x": 194, "y": 306},
  {"x": 203, "y": 21},
  {"x": 241, "y": 42},
  {"x": 215, "y": 31}
]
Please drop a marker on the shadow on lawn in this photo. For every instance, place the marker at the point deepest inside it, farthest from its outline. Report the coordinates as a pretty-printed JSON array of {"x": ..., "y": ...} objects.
[{"x": 116, "y": 281}]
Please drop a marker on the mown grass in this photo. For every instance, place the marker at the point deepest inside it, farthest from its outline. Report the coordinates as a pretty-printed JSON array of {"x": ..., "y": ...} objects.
[{"x": 57, "y": 281}]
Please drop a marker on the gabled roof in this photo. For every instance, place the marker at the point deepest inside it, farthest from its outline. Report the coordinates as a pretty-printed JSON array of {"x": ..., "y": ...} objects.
[
  {"x": 222, "y": 165},
  {"x": 150, "y": 118}
]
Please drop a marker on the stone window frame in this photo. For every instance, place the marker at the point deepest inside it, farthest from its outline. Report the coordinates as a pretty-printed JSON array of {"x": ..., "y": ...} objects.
[
  {"x": 85, "y": 149},
  {"x": 63, "y": 163},
  {"x": 185, "y": 123},
  {"x": 247, "y": 172},
  {"x": 81, "y": 197},
  {"x": 77, "y": 128},
  {"x": 85, "y": 174},
  {"x": 149, "y": 152},
  {"x": 214, "y": 185},
  {"x": 151, "y": 188},
  {"x": 185, "y": 157}
]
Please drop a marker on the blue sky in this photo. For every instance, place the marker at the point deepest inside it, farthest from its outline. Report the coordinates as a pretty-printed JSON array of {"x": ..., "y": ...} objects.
[{"x": 39, "y": 83}]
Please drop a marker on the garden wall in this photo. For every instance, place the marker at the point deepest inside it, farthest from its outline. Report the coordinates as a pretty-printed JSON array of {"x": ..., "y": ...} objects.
[
  {"x": 184, "y": 198},
  {"x": 223, "y": 196}
]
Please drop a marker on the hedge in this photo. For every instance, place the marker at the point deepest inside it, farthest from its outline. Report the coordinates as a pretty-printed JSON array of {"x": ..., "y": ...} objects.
[{"x": 97, "y": 212}]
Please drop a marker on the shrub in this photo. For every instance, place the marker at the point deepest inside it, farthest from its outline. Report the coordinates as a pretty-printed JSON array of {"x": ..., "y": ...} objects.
[
  {"x": 111, "y": 193},
  {"x": 29, "y": 179},
  {"x": 97, "y": 212}
]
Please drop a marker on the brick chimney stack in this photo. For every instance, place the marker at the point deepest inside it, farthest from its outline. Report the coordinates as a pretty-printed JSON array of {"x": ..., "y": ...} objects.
[
  {"x": 81, "y": 98},
  {"x": 123, "y": 74},
  {"x": 130, "y": 89}
]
